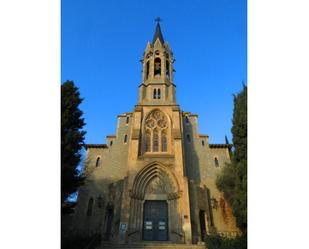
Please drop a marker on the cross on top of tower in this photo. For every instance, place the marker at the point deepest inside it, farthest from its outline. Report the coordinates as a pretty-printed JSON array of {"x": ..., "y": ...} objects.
[
  {"x": 158, "y": 19},
  {"x": 158, "y": 33}
]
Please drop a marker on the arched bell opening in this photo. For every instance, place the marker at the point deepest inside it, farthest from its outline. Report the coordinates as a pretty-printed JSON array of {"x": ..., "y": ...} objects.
[
  {"x": 147, "y": 71},
  {"x": 167, "y": 70},
  {"x": 157, "y": 67}
]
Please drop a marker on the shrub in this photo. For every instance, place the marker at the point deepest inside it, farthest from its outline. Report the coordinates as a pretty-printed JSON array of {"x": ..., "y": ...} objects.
[{"x": 222, "y": 242}]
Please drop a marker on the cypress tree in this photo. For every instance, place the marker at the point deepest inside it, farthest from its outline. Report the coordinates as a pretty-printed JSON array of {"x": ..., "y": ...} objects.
[
  {"x": 72, "y": 141},
  {"x": 233, "y": 180}
]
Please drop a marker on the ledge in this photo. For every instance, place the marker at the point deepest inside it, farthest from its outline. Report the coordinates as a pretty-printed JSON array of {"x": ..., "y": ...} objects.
[
  {"x": 87, "y": 146},
  {"x": 154, "y": 155},
  {"x": 214, "y": 146}
]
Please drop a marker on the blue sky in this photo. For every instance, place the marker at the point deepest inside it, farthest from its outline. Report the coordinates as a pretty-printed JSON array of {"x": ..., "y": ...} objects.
[{"x": 103, "y": 41}]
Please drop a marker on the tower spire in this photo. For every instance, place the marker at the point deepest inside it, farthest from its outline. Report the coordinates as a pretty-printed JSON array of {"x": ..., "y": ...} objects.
[
  {"x": 157, "y": 75},
  {"x": 158, "y": 33}
]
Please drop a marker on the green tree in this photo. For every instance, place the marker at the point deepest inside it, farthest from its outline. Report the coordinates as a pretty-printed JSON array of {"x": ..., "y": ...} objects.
[
  {"x": 72, "y": 141},
  {"x": 233, "y": 179}
]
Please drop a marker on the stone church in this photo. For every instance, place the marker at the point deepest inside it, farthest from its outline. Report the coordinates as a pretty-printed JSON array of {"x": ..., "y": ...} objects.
[{"x": 154, "y": 180}]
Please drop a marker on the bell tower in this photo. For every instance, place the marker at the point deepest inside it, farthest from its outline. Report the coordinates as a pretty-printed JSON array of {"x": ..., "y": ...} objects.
[{"x": 157, "y": 86}]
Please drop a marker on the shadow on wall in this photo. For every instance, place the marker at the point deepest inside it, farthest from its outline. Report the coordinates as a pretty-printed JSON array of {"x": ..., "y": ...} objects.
[
  {"x": 97, "y": 210},
  {"x": 202, "y": 221}
]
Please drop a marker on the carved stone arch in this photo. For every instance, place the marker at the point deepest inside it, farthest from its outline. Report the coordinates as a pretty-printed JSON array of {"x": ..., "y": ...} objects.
[
  {"x": 146, "y": 175},
  {"x": 158, "y": 110},
  {"x": 141, "y": 193}
]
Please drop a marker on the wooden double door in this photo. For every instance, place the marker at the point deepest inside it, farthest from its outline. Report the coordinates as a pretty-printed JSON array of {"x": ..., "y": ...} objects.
[{"x": 155, "y": 223}]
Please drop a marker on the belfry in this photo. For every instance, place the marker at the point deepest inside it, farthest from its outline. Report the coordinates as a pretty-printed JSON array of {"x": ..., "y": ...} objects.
[{"x": 154, "y": 180}]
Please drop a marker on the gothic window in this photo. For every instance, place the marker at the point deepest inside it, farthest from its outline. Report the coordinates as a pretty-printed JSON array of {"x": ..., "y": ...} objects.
[
  {"x": 155, "y": 142},
  {"x": 125, "y": 138},
  {"x": 188, "y": 138},
  {"x": 164, "y": 143},
  {"x": 155, "y": 93},
  {"x": 90, "y": 204},
  {"x": 97, "y": 162},
  {"x": 127, "y": 120},
  {"x": 110, "y": 143},
  {"x": 159, "y": 94},
  {"x": 167, "y": 71},
  {"x": 147, "y": 70},
  {"x": 216, "y": 162},
  {"x": 157, "y": 67},
  {"x": 203, "y": 143},
  {"x": 147, "y": 142},
  {"x": 156, "y": 132}
]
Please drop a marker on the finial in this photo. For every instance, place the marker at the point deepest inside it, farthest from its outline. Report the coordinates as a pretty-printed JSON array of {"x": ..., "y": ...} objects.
[
  {"x": 158, "y": 19},
  {"x": 158, "y": 33}
]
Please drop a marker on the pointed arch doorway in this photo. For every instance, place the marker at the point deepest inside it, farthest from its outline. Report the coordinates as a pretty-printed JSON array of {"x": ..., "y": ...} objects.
[
  {"x": 154, "y": 205},
  {"x": 155, "y": 221}
]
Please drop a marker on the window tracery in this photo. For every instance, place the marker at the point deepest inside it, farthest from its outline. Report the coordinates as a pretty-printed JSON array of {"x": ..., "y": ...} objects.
[
  {"x": 156, "y": 127},
  {"x": 147, "y": 142},
  {"x": 164, "y": 142},
  {"x": 155, "y": 141}
]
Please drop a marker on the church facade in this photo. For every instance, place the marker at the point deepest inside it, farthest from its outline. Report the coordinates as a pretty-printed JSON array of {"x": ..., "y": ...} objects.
[{"x": 154, "y": 180}]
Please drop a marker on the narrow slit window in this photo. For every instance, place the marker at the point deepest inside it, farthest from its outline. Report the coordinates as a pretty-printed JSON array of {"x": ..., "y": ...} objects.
[
  {"x": 203, "y": 142},
  {"x": 90, "y": 204},
  {"x": 155, "y": 93},
  {"x": 155, "y": 142},
  {"x": 125, "y": 138},
  {"x": 216, "y": 162},
  {"x": 188, "y": 138},
  {"x": 97, "y": 163},
  {"x": 111, "y": 143},
  {"x": 164, "y": 143},
  {"x": 159, "y": 94},
  {"x": 147, "y": 142}
]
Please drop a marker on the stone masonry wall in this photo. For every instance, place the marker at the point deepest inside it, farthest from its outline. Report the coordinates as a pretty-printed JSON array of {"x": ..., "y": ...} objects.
[{"x": 202, "y": 172}]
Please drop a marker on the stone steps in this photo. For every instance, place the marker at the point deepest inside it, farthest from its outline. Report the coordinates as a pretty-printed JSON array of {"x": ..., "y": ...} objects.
[{"x": 150, "y": 246}]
